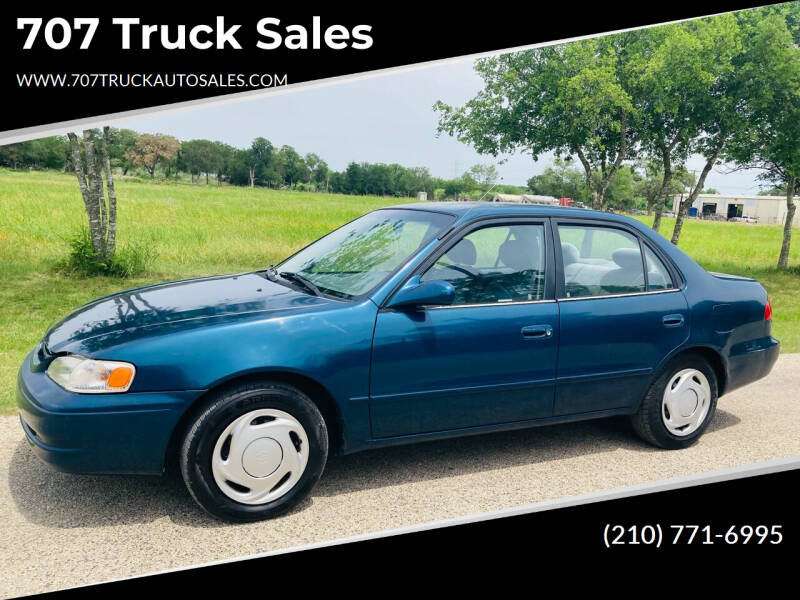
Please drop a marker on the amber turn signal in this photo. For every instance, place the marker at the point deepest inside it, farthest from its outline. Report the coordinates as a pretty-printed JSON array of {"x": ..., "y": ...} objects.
[{"x": 120, "y": 378}]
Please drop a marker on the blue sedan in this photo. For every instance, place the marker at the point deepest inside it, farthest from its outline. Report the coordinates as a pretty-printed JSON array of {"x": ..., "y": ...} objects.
[{"x": 411, "y": 323}]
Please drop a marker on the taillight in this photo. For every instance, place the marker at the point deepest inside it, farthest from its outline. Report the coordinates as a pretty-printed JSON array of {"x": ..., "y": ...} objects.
[{"x": 768, "y": 312}]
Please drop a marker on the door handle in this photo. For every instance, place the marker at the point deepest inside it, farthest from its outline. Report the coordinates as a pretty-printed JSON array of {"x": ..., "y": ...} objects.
[
  {"x": 537, "y": 332},
  {"x": 672, "y": 320}
]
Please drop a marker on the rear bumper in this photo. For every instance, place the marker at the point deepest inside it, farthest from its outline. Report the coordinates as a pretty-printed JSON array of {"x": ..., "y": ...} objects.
[
  {"x": 115, "y": 433},
  {"x": 754, "y": 361}
]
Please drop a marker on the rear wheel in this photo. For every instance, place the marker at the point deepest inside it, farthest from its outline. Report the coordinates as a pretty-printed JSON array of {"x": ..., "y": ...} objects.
[
  {"x": 254, "y": 451},
  {"x": 679, "y": 404}
]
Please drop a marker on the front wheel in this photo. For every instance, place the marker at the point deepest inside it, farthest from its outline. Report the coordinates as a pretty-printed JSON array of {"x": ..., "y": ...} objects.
[
  {"x": 679, "y": 404},
  {"x": 254, "y": 451}
]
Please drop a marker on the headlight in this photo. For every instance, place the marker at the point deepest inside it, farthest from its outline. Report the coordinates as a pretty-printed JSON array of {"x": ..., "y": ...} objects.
[{"x": 88, "y": 376}]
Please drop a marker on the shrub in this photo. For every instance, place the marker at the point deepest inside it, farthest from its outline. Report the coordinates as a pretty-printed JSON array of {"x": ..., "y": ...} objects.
[{"x": 130, "y": 260}]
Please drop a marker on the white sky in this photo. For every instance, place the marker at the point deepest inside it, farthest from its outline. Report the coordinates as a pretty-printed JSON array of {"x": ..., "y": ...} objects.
[{"x": 383, "y": 119}]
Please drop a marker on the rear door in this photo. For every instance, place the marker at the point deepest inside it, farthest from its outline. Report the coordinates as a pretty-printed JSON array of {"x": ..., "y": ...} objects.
[
  {"x": 621, "y": 312},
  {"x": 490, "y": 357}
]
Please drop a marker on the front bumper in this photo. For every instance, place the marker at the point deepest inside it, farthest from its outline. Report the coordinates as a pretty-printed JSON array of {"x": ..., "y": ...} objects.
[{"x": 98, "y": 433}]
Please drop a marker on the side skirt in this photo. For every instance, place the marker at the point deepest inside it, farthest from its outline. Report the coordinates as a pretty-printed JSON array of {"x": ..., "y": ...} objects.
[{"x": 468, "y": 431}]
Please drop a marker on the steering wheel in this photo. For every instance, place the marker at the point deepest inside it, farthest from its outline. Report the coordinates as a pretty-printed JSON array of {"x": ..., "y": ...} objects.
[{"x": 460, "y": 269}]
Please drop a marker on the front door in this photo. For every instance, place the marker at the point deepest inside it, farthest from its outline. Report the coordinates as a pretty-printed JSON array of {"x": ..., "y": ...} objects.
[{"x": 489, "y": 358}]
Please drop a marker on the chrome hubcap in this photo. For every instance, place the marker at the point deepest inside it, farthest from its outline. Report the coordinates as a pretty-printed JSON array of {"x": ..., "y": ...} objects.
[
  {"x": 686, "y": 401},
  {"x": 260, "y": 456}
]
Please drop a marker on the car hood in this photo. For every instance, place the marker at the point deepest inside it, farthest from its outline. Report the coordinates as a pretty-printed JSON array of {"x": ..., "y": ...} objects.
[{"x": 174, "y": 306}]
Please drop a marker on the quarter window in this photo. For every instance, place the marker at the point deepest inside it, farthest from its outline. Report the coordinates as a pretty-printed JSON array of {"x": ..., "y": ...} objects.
[
  {"x": 494, "y": 265},
  {"x": 599, "y": 261},
  {"x": 658, "y": 277}
]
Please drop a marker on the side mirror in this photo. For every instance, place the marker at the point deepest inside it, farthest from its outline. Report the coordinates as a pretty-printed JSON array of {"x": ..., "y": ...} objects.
[{"x": 414, "y": 293}]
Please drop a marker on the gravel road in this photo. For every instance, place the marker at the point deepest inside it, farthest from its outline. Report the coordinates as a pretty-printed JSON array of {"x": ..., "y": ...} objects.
[{"x": 59, "y": 530}]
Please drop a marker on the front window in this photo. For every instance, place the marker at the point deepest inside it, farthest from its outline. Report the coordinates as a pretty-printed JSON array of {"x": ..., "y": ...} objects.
[
  {"x": 359, "y": 256},
  {"x": 495, "y": 264}
]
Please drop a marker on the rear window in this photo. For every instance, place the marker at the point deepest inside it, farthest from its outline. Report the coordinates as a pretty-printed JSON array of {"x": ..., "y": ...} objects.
[{"x": 600, "y": 261}]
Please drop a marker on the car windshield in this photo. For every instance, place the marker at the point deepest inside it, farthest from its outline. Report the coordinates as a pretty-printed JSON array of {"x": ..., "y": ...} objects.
[{"x": 357, "y": 257}]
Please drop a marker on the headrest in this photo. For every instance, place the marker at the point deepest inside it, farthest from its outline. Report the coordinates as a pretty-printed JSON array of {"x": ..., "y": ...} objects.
[
  {"x": 518, "y": 255},
  {"x": 463, "y": 253},
  {"x": 570, "y": 253},
  {"x": 628, "y": 258}
]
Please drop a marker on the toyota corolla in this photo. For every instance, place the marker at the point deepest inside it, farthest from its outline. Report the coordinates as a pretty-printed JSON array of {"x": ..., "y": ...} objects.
[{"x": 410, "y": 323}]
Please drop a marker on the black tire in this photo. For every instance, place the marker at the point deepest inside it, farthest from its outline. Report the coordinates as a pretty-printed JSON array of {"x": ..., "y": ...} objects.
[
  {"x": 215, "y": 414},
  {"x": 648, "y": 422}
]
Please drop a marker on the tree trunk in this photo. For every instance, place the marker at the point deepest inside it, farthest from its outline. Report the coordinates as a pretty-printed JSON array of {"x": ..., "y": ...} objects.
[
  {"x": 77, "y": 165},
  {"x": 251, "y": 174},
  {"x": 689, "y": 200},
  {"x": 599, "y": 192},
  {"x": 662, "y": 191},
  {"x": 96, "y": 219},
  {"x": 659, "y": 213},
  {"x": 111, "y": 232},
  {"x": 96, "y": 186},
  {"x": 102, "y": 218},
  {"x": 791, "y": 207},
  {"x": 597, "y": 199}
]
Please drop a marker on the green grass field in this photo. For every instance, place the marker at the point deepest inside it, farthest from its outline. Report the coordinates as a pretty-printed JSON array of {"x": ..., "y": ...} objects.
[{"x": 201, "y": 230}]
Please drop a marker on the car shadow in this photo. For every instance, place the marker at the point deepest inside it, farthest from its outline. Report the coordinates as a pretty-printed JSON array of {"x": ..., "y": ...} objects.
[
  {"x": 61, "y": 500},
  {"x": 484, "y": 453}
]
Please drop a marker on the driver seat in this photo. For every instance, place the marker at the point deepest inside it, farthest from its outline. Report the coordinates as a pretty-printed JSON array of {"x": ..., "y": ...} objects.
[
  {"x": 463, "y": 254},
  {"x": 522, "y": 257}
]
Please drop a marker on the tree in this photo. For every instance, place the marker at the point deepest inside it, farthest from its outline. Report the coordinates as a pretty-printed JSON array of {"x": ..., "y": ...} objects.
[
  {"x": 49, "y": 152},
  {"x": 120, "y": 143},
  {"x": 573, "y": 100},
  {"x": 718, "y": 112},
  {"x": 254, "y": 165},
  {"x": 200, "y": 156},
  {"x": 484, "y": 175},
  {"x": 650, "y": 185},
  {"x": 679, "y": 66},
  {"x": 224, "y": 158},
  {"x": 44, "y": 153},
  {"x": 102, "y": 213},
  {"x": 318, "y": 171},
  {"x": 149, "y": 150},
  {"x": 293, "y": 167},
  {"x": 560, "y": 180},
  {"x": 621, "y": 193},
  {"x": 772, "y": 73},
  {"x": 454, "y": 187},
  {"x": 262, "y": 154}
]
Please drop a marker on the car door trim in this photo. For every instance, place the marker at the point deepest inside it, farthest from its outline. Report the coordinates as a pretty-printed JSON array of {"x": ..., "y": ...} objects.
[
  {"x": 450, "y": 306},
  {"x": 623, "y": 295}
]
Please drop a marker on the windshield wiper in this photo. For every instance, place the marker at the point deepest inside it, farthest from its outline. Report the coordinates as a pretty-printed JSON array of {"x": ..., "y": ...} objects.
[{"x": 304, "y": 282}]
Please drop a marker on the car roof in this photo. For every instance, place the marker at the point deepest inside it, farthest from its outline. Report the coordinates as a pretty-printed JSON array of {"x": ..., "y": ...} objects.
[{"x": 468, "y": 211}]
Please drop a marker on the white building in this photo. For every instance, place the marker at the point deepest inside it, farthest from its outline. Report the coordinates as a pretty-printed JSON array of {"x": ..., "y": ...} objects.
[{"x": 766, "y": 209}]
